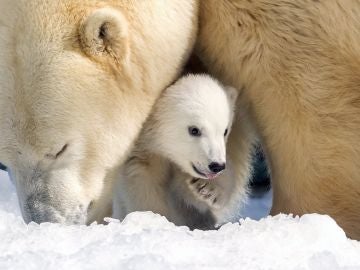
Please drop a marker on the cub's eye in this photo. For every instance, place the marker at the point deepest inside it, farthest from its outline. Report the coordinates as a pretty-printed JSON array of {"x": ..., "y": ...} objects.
[
  {"x": 226, "y": 132},
  {"x": 194, "y": 131}
]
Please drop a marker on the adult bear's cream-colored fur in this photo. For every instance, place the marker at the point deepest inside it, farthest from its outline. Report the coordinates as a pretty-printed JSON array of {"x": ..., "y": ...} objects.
[
  {"x": 298, "y": 65},
  {"x": 77, "y": 80}
]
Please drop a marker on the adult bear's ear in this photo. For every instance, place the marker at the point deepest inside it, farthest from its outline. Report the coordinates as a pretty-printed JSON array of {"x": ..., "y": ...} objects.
[{"x": 105, "y": 32}]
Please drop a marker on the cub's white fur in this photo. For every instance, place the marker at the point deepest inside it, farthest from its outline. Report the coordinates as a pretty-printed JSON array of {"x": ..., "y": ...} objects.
[{"x": 169, "y": 170}]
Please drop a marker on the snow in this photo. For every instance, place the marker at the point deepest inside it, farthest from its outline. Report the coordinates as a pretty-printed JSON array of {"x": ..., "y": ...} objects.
[
  {"x": 258, "y": 207},
  {"x": 149, "y": 241}
]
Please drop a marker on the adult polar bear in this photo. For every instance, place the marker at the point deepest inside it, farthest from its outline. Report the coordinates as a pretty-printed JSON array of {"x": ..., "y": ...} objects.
[
  {"x": 298, "y": 65},
  {"x": 77, "y": 80}
]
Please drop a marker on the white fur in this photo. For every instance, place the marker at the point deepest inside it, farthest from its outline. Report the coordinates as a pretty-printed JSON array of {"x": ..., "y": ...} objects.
[
  {"x": 62, "y": 83},
  {"x": 159, "y": 175}
]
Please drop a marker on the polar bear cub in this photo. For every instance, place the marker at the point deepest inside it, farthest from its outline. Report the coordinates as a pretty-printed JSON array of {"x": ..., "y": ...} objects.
[{"x": 177, "y": 167}]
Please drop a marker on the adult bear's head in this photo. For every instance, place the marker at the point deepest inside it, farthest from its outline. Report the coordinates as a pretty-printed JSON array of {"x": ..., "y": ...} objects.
[{"x": 77, "y": 80}]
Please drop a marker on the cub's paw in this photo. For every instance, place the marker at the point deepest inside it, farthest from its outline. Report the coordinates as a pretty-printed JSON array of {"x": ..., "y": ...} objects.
[{"x": 207, "y": 191}]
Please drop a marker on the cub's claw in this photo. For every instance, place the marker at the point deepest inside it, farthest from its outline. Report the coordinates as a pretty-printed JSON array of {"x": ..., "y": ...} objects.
[{"x": 206, "y": 191}]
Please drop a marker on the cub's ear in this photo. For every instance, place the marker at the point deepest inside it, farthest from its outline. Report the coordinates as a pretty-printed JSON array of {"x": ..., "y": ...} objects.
[
  {"x": 232, "y": 94},
  {"x": 105, "y": 31}
]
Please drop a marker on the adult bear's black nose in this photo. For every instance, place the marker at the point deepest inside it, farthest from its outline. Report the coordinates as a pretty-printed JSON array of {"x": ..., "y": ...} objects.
[{"x": 216, "y": 167}]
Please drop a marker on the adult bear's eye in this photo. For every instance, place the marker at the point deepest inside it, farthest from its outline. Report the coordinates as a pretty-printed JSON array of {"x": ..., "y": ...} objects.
[
  {"x": 194, "y": 131},
  {"x": 226, "y": 132}
]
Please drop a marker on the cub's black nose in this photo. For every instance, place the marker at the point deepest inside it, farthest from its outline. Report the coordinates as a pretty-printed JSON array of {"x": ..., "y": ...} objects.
[{"x": 216, "y": 167}]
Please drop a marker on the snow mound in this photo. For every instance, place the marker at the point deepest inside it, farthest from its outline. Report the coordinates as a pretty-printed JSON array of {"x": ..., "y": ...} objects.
[{"x": 148, "y": 241}]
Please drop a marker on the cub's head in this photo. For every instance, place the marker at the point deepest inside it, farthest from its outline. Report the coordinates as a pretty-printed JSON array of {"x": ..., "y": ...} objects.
[
  {"x": 192, "y": 122},
  {"x": 77, "y": 81}
]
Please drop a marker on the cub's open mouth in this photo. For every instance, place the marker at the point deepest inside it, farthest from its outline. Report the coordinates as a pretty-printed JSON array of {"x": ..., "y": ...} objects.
[
  {"x": 204, "y": 175},
  {"x": 197, "y": 170}
]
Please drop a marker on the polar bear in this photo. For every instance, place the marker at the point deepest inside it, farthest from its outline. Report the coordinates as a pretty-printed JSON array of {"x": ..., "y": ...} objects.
[
  {"x": 77, "y": 80},
  {"x": 297, "y": 65},
  {"x": 175, "y": 166}
]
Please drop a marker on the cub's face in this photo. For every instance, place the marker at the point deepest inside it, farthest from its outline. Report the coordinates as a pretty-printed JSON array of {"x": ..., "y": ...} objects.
[
  {"x": 74, "y": 95},
  {"x": 206, "y": 149},
  {"x": 196, "y": 125}
]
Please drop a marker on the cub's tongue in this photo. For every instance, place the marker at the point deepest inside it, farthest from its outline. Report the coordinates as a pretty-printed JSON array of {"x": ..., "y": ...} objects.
[{"x": 211, "y": 176}]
